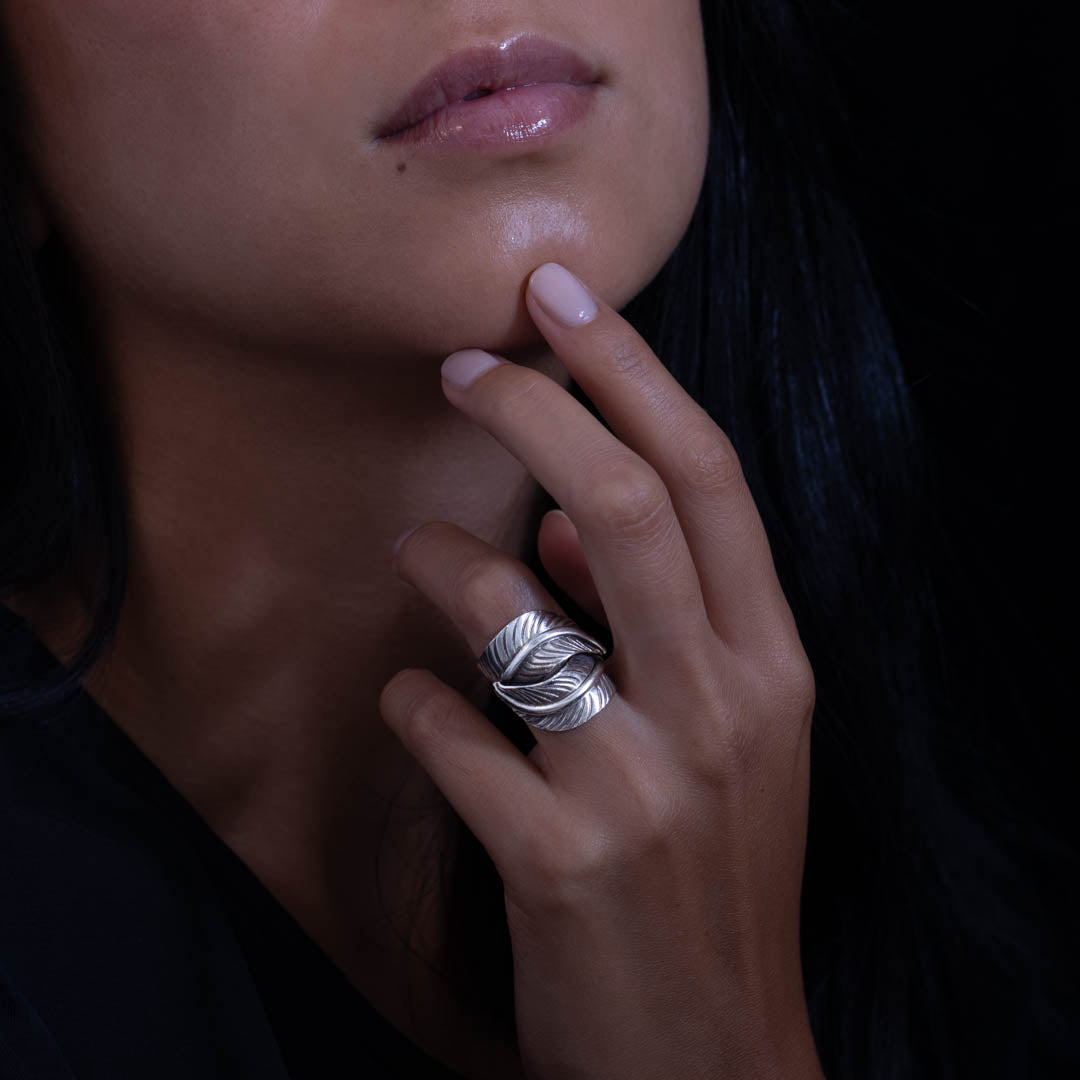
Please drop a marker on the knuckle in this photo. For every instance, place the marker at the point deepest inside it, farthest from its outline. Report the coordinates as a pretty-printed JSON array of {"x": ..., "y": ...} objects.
[
  {"x": 742, "y": 749},
  {"x": 625, "y": 357},
  {"x": 422, "y": 711},
  {"x": 522, "y": 394},
  {"x": 794, "y": 685},
  {"x": 567, "y": 868},
  {"x": 630, "y": 498},
  {"x": 739, "y": 744},
  {"x": 786, "y": 679},
  {"x": 707, "y": 462},
  {"x": 656, "y": 812},
  {"x": 803, "y": 683},
  {"x": 483, "y": 585},
  {"x": 426, "y": 719},
  {"x": 563, "y": 873},
  {"x": 695, "y": 671}
]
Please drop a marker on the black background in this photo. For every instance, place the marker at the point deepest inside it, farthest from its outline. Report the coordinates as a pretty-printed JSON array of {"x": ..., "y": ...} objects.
[{"x": 964, "y": 116}]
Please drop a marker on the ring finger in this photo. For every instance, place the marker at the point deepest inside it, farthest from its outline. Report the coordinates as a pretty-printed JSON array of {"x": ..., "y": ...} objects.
[{"x": 482, "y": 589}]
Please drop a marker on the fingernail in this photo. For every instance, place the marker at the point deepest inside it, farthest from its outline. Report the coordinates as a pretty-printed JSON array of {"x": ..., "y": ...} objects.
[
  {"x": 563, "y": 297},
  {"x": 402, "y": 538},
  {"x": 465, "y": 367}
]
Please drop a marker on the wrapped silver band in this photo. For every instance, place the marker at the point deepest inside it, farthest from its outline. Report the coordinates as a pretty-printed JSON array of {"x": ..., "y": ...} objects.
[{"x": 548, "y": 670}]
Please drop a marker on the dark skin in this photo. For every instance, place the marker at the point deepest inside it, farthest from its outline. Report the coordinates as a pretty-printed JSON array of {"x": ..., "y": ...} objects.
[{"x": 273, "y": 301}]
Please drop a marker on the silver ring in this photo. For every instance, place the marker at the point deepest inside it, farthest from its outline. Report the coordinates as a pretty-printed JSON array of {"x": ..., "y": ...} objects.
[{"x": 548, "y": 670}]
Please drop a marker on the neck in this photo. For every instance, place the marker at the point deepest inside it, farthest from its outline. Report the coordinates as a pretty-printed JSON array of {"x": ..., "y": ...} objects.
[{"x": 262, "y": 616}]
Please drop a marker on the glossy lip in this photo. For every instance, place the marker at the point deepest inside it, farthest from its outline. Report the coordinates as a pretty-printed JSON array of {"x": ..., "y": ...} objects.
[{"x": 523, "y": 61}]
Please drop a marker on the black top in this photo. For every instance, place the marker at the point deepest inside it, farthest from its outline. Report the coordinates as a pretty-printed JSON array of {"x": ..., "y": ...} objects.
[{"x": 134, "y": 943}]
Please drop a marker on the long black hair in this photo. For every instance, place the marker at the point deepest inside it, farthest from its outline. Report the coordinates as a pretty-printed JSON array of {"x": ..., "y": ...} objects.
[{"x": 927, "y": 909}]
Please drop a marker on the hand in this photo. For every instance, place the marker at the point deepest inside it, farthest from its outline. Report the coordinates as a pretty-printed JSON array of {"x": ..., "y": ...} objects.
[{"x": 652, "y": 858}]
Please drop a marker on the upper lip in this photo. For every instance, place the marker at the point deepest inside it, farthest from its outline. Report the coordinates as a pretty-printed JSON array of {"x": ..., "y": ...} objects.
[{"x": 524, "y": 60}]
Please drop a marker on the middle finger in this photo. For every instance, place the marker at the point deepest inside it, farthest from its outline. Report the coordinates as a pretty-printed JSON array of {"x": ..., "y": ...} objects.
[{"x": 629, "y": 531}]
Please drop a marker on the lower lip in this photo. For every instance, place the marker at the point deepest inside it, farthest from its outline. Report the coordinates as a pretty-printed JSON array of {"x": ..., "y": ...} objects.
[{"x": 527, "y": 117}]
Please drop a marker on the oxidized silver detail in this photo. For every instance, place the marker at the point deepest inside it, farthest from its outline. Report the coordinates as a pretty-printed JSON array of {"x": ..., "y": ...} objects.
[{"x": 548, "y": 670}]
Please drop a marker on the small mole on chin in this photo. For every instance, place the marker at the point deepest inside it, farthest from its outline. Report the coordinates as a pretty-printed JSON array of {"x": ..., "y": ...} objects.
[{"x": 401, "y": 166}]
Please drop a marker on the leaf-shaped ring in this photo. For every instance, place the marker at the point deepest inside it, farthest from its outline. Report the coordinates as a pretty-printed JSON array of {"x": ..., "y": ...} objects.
[{"x": 548, "y": 670}]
